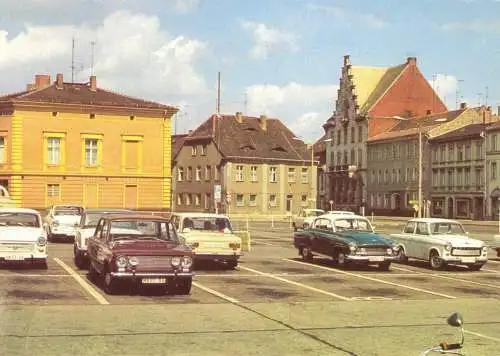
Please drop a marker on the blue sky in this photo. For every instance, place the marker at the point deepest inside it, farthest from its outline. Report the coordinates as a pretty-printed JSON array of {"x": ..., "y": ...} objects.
[{"x": 279, "y": 57}]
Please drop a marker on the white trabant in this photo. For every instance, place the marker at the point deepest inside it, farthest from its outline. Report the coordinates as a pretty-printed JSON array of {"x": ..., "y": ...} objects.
[
  {"x": 22, "y": 237},
  {"x": 61, "y": 219},
  {"x": 440, "y": 242},
  {"x": 211, "y": 237},
  {"x": 305, "y": 217}
]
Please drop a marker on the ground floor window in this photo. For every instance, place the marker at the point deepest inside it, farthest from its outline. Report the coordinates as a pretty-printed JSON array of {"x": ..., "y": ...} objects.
[
  {"x": 463, "y": 208},
  {"x": 438, "y": 207}
]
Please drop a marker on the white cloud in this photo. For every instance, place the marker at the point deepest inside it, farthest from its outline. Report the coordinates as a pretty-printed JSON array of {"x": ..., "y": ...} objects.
[
  {"x": 303, "y": 108},
  {"x": 266, "y": 39},
  {"x": 133, "y": 54},
  {"x": 476, "y": 26},
  {"x": 446, "y": 87},
  {"x": 337, "y": 13},
  {"x": 184, "y": 6}
]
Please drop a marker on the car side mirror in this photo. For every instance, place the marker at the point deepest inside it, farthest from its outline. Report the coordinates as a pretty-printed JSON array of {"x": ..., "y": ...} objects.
[{"x": 455, "y": 320}]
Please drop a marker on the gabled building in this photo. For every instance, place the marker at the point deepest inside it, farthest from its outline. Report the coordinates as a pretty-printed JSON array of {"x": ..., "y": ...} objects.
[
  {"x": 367, "y": 99},
  {"x": 77, "y": 143},
  {"x": 319, "y": 153},
  {"x": 241, "y": 164}
]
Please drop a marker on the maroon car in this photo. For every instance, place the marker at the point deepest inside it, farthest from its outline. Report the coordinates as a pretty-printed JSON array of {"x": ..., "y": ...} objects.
[{"x": 139, "y": 249}]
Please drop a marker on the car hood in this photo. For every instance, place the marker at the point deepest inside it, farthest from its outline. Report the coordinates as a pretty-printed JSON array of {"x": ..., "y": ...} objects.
[
  {"x": 150, "y": 248},
  {"x": 363, "y": 238},
  {"x": 20, "y": 233},
  {"x": 202, "y": 236},
  {"x": 459, "y": 241}
]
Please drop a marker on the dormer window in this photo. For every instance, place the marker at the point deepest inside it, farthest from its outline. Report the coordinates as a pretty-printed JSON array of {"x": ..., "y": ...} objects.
[
  {"x": 249, "y": 128},
  {"x": 279, "y": 149},
  {"x": 247, "y": 148}
]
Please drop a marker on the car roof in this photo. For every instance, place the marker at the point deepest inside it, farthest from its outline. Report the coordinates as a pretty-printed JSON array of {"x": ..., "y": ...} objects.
[
  {"x": 341, "y": 216},
  {"x": 19, "y": 210},
  {"x": 127, "y": 216},
  {"x": 201, "y": 215},
  {"x": 101, "y": 210},
  {"x": 67, "y": 206},
  {"x": 434, "y": 220}
]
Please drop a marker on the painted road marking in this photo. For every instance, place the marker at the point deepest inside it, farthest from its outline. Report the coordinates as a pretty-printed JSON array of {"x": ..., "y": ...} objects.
[
  {"x": 84, "y": 284},
  {"x": 217, "y": 294},
  {"x": 260, "y": 242},
  {"x": 373, "y": 279},
  {"x": 481, "y": 335},
  {"x": 32, "y": 275},
  {"x": 490, "y": 270},
  {"x": 295, "y": 283}
]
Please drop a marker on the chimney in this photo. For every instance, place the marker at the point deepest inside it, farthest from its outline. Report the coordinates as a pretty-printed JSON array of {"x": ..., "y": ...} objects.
[
  {"x": 93, "y": 83},
  {"x": 263, "y": 122},
  {"x": 411, "y": 61},
  {"x": 190, "y": 132},
  {"x": 463, "y": 105},
  {"x": 42, "y": 81},
  {"x": 59, "y": 81},
  {"x": 239, "y": 117},
  {"x": 429, "y": 112}
]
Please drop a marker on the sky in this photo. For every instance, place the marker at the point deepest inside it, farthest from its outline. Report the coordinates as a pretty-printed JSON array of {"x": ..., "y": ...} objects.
[{"x": 281, "y": 58}]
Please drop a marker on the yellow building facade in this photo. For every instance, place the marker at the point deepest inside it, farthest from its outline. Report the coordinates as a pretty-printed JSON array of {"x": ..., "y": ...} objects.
[{"x": 74, "y": 143}]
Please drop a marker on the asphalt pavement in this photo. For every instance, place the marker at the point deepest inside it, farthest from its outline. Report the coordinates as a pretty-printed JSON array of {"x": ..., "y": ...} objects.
[{"x": 272, "y": 304}]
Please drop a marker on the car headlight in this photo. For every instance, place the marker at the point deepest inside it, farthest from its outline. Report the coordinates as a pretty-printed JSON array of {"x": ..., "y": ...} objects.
[
  {"x": 389, "y": 251},
  {"x": 353, "y": 247},
  {"x": 485, "y": 249},
  {"x": 176, "y": 261},
  {"x": 448, "y": 247},
  {"x": 133, "y": 261},
  {"x": 42, "y": 241},
  {"x": 187, "y": 262},
  {"x": 121, "y": 261}
]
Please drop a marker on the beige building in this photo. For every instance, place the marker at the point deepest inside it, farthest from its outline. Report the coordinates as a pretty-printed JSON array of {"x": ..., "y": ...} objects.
[
  {"x": 243, "y": 165},
  {"x": 393, "y": 161},
  {"x": 493, "y": 159}
]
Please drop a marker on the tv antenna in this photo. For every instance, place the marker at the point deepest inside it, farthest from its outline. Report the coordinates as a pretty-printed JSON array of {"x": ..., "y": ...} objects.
[
  {"x": 92, "y": 58},
  {"x": 74, "y": 68}
]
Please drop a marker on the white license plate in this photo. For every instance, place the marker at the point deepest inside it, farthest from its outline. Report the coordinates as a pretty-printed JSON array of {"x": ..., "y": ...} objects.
[
  {"x": 154, "y": 280},
  {"x": 376, "y": 259},
  {"x": 14, "y": 258},
  {"x": 216, "y": 244},
  {"x": 468, "y": 259}
]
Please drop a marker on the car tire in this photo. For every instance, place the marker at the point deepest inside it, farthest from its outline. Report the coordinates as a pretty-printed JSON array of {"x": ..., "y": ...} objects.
[
  {"x": 184, "y": 286},
  {"x": 341, "y": 259},
  {"x": 435, "y": 260},
  {"x": 110, "y": 283},
  {"x": 384, "y": 266},
  {"x": 401, "y": 256},
  {"x": 306, "y": 254},
  {"x": 43, "y": 264},
  {"x": 475, "y": 267},
  {"x": 79, "y": 259},
  {"x": 231, "y": 264}
]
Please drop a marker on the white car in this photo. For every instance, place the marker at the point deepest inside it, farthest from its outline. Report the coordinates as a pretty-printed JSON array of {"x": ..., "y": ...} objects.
[
  {"x": 305, "y": 217},
  {"x": 440, "y": 242},
  {"x": 84, "y": 230},
  {"x": 22, "y": 237},
  {"x": 61, "y": 219}
]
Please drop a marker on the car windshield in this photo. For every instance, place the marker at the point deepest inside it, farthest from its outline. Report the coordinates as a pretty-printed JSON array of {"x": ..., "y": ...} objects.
[
  {"x": 91, "y": 219},
  {"x": 314, "y": 212},
  {"x": 19, "y": 219},
  {"x": 68, "y": 210},
  {"x": 355, "y": 224},
  {"x": 454, "y": 228},
  {"x": 139, "y": 229},
  {"x": 220, "y": 224}
]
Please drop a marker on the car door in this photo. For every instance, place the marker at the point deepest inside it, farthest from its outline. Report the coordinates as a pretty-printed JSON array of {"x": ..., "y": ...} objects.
[
  {"x": 406, "y": 238},
  {"x": 319, "y": 235},
  {"x": 423, "y": 240},
  {"x": 94, "y": 245}
]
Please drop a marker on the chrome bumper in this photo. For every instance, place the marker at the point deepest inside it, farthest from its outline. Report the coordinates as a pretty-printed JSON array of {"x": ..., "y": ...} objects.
[
  {"x": 151, "y": 274},
  {"x": 465, "y": 260},
  {"x": 371, "y": 259}
]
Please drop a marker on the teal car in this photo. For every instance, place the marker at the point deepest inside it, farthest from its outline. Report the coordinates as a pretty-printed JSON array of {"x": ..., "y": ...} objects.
[{"x": 347, "y": 239}]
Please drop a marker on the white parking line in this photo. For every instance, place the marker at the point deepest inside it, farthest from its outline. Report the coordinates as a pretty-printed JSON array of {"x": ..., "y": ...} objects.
[
  {"x": 217, "y": 294},
  {"x": 295, "y": 283},
  {"x": 489, "y": 270},
  {"x": 32, "y": 275},
  {"x": 84, "y": 284},
  {"x": 481, "y": 335},
  {"x": 260, "y": 242},
  {"x": 493, "y": 261},
  {"x": 373, "y": 279}
]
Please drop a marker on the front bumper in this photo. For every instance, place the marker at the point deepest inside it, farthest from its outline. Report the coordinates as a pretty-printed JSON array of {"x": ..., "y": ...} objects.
[
  {"x": 217, "y": 256},
  {"x": 370, "y": 259},
  {"x": 137, "y": 275},
  {"x": 23, "y": 257},
  {"x": 462, "y": 260}
]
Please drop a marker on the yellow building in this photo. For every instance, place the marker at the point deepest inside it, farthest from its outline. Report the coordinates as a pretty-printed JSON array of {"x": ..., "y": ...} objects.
[{"x": 77, "y": 143}]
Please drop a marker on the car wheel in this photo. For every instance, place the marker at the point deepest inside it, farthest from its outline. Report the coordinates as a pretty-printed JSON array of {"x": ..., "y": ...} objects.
[
  {"x": 79, "y": 259},
  {"x": 231, "y": 264},
  {"x": 43, "y": 264},
  {"x": 384, "y": 266},
  {"x": 435, "y": 261},
  {"x": 341, "y": 259},
  {"x": 110, "y": 283},
  {"x": 306, "y": 254},
  {"x": 184, "y": 286},
  {"x": 401, "y": 256},
  {"x": 475, "y": 267}
]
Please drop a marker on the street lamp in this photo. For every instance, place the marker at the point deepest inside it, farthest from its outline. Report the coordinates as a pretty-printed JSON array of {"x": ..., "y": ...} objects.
[{"x": 420, "y": 154}]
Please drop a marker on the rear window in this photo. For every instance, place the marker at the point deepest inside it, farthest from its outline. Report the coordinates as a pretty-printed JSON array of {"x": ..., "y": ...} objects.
[{"x": 68, "y": 210}]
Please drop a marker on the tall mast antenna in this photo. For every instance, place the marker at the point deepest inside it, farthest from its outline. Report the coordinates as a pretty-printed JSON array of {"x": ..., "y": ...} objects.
[
  {"x": 218, "y": 94},
  {"x": 92, "y": 59},
  {"x": 73, "y": 60}
]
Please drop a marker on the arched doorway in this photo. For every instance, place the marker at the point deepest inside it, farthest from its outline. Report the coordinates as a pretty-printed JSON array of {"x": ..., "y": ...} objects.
[{"x": 450, "y": 208}]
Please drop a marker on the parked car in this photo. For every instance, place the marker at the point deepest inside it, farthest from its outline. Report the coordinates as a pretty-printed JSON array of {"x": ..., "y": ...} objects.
[
  {"x": 142, "y": 250},
  {"x": 85, "y": 228},
  {"x": 440, "y": 242},
  {"x": 305, "y": 217},
  {"x": 340, "y": 212},
  {"x": 346, "y": 239},
  {"x": 210, "y": 236},
  {"x": 22, "y": 237},
  {"x": 60, "y": 221}
]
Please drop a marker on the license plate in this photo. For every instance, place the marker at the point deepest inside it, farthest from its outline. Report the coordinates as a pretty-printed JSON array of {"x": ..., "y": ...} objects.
[
  {"x": 14, "y": 258},
  {"x": 154, "y": 280},
  {"x": 376, "y": 259},
  {"x": 216, "y": 244},
  {"x": 468, "y": 260}
]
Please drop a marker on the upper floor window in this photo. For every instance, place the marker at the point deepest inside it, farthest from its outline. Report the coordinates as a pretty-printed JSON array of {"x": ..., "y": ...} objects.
[
  {"x": 460, "y": 153},
  {"x": 198, "y": 173},
  {"x": 132, "y": 153},
  {"x": 189, "y": 173},
  {"x": 239, "y": 173},
  {"x": 479, "y": 149},
  {"x": 494, "y": 142},
  {"x": 345, "y": 135},
  {"x": 180, "y": 174},
  {"x": 291, "y": 175},
  {"x": 273, "y": 174},
  {"x": 304, "y": 175},
  {"x": 203, "y": 150},
  {"x": 54, "y": 150},
  {"x": 207, "y": 172},
  {"x": 360, "y": 133},
  {"x": 451, "y": 152},
  {"x": 353, "y": 134},
  {"x": 253, "y": 173},
  {"x": 2, "y": 149},
  {"x": 91, "y": 152},
  {"x": 193, "y": 150},
  {"x": 339, "y": 133}
]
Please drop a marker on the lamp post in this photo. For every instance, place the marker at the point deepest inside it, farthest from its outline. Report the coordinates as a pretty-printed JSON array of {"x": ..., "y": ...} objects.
[{"x": 420, "y": 159}]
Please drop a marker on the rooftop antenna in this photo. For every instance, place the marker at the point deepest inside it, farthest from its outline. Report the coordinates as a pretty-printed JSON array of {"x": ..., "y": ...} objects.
[
  {"x": 486, "y": 96},
  {"x": 217, "y": 108},
  {"x": 92, "y": 59},
  {"x": 73, "y": 60},
  {"x": 246, "y": 102}
]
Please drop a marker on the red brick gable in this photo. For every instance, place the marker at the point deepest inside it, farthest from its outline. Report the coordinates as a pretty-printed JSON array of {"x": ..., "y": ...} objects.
[{"x": 411, "y": 92}]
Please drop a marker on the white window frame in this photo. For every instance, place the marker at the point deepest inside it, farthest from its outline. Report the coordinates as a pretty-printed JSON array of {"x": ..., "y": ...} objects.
[
  {"x": 180, "y": 174},
  {"x": 53, "y": 190},
  {"x": 91, "y": 151},
  {"x": 291, "y": 174},
  {"x": 253, "y": 173},
  {"x": 304, "y": 175},
  {"x": 273, "y": 200},
  {"x": 252, "y": 200},
  {"x": 240, "y": 200},
  {"x": 273, "y": 174},
  {"x": 239, "y": 173},
  {"x": 54, "y": 150},
  {"x": 198, "y": 174}
]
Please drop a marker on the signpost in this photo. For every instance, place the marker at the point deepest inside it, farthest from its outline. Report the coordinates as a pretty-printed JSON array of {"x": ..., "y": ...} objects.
[
  {"x": 331, "y": 205},
  {"x": 217, "y": 196}
]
